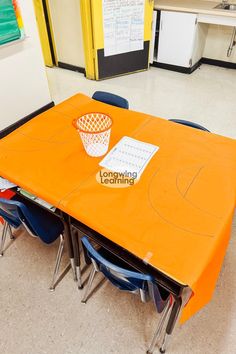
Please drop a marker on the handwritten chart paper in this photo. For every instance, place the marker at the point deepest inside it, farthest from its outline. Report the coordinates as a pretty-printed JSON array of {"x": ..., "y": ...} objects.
[
  {"x": 123, "y": 26},
  {"x": 129, "y": 155}
]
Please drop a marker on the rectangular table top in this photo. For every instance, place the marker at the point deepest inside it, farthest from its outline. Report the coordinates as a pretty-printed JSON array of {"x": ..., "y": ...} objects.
[{"x": 177, "y": 217}]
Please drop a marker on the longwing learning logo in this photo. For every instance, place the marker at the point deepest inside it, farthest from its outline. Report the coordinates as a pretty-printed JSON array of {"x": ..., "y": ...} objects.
[{"x": 116, "y": 179}]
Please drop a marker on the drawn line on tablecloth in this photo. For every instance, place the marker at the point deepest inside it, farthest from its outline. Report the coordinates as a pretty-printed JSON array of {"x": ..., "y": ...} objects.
[
  {"x": 164, "y": 218},
  {"x": 193, "y": 180},
  {"x": 189, "y": 201}
]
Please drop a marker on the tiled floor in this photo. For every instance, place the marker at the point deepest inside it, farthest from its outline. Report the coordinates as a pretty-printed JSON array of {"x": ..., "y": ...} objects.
[
  {"x": 35, "y": 321},
  {"x": 207, "y": 96}
]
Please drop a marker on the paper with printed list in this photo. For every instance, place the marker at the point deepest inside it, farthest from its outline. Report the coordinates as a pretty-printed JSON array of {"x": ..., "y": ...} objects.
[
  {"x": 123, "y": 26},
  {"x": 129, "y": 155},
  {"x": 5, "y": 184}
]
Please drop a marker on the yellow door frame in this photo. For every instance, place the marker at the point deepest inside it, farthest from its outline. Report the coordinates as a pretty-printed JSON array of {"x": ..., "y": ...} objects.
[
  {"x": 88, "y": 41},
  {"x": 46, "y": 38}
]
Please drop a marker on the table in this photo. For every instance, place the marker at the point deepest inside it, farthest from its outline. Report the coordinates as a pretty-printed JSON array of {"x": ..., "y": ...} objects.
[{"x": 174, "y": 222}]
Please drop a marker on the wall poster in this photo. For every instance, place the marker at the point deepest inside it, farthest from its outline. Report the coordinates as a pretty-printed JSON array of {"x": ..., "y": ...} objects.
[
  {"x": 123, "y": 26},
  {"x": 11, "y": 24}
]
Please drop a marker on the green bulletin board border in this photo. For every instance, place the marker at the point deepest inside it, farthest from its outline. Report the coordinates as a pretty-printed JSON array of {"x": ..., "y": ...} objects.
[{"x": 10, "y": 31}]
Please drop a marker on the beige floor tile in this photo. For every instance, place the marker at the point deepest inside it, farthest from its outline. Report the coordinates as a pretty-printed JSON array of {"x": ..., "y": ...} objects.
[{"x": 36, "y": 321}]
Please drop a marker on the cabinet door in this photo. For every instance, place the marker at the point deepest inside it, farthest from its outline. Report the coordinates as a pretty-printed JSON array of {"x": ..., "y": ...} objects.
[{"x": 177, "y": 36}]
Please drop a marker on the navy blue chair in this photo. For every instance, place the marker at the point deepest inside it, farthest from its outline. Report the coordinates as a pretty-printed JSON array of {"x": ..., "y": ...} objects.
[
  {"x": 189, "y": 124},
  {"x": 126, "y": 278},
  {"x": 110, "y": 98},
  {"x": 37, "y": 221}
]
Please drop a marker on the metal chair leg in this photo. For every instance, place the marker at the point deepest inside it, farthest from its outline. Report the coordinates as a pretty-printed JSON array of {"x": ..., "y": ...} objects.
[
  {"x": 3, "y": 238},
  {"x": 12, "y": 237},
  {"x": 58, "y": 262},
  {"x": 161, "y": 323},
  {"x": 144, "y": 296},
  {"x": 90, "y": 281}
]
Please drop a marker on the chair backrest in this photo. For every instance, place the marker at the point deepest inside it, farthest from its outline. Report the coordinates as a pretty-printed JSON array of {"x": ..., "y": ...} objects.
[
  {"x": 37, "y": 221},
  {"x": 122, "y": 278},
  {"x": 10, "y": 219},
  {"x": 128, "y": 280},
  {"x": 160, "y": 296},
  {"x": 13, "y": 221},
  {"x": 189, "y": 124},
  {"x": 9, "y": 213},
  {"x": 110, "y": 98}
]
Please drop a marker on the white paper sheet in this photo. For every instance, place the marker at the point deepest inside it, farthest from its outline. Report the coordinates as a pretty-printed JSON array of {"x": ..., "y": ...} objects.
[
  {"x": 123, "y": 26},
  {"x": 5, "y": 184},
  {"x": 129, "y": 156}
]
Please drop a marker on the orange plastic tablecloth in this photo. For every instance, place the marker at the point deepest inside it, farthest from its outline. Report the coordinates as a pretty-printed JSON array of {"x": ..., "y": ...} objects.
[{"x": 177, "y": 217}]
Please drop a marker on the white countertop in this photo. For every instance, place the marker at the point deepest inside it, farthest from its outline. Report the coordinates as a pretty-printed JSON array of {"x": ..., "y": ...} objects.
[{"x": 195, "y": 6}]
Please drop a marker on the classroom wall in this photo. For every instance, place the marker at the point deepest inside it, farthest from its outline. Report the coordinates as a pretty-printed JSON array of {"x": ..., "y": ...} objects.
[
  {"x": 66, "y": 21},
  {"x": 218, "y": 41},
  {"x": 67, "y": 29},
  {"x": 24, "y": 85}
]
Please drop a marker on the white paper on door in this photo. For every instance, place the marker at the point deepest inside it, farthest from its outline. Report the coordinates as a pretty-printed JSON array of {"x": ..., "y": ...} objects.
[
  {"x": 129, "y": 155},
  {"x": 123, "y": 26}
]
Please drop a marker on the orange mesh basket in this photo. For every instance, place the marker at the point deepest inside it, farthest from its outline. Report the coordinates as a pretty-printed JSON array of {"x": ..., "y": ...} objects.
[{"x": 95, "y": 130}]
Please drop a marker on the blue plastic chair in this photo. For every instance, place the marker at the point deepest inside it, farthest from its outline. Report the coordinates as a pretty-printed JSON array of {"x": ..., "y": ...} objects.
[
  {"x": 13, "y": 221},
  {"x": 126, "y": 278},
  {"x": 37, "y": 221},
  {"x": 110, "y": 98},
  {"x": 189, "y": 124}
]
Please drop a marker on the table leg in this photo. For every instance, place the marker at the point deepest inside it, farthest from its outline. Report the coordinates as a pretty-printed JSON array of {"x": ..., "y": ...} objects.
[
  {"x": 165, "y": 314},
  {"x": 68, "y": 241},
  {"x": 171, "y": 323},
  {"x": 77, "y": 261}
]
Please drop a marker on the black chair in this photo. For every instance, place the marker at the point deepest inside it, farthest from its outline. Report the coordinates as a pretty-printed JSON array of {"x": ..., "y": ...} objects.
[
  {"x": 189, "y": 124},
  {"x": 110, "y": 98}
]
